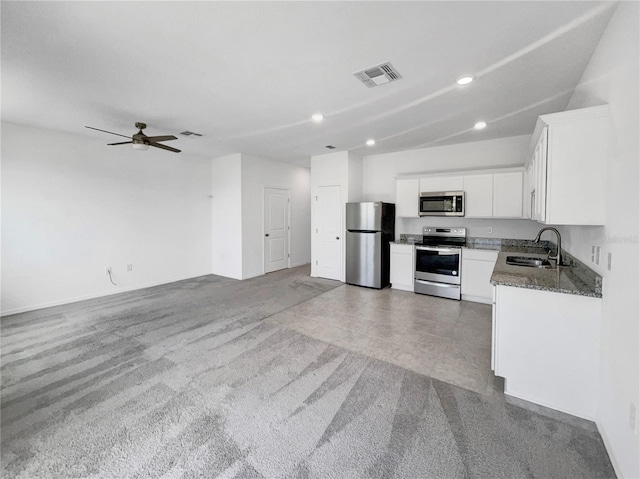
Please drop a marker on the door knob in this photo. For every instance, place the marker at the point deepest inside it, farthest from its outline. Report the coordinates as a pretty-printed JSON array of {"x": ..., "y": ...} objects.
[
  {"x": 267, "y": 234},
  {"x": 337, "y": 237}
]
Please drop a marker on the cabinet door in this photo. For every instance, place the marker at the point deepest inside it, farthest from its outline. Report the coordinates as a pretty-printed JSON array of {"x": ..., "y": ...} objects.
[
  {"x": 402, "y": 268},
  {"x": 494, "y": 343},
  {"x": 407, "y": 198},
  {"x": 507, "y": 195},
  {"x": 478, "y": 191},
  {"x": 540, "y": 179},
  {"x": 546, "y": 348},
  {"x": 526, "y": 193},
  {"x": 475, "y": 278},
  {"x": 441, "y": 183},
  {"x": 576, "y": 172}
]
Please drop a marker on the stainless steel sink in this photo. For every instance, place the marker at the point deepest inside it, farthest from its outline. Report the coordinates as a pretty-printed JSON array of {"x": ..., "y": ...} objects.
[{"x": 529, "y": 261}]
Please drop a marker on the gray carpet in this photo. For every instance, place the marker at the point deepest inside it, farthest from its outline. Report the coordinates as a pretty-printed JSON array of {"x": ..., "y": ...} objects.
[{"x": 187, "y": 380}]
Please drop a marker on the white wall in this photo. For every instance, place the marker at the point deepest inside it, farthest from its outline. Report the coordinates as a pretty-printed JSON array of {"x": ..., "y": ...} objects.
[
  {"x": 612, "y": 77},
  {"x": 258, "y": 173},
  {"x": 380, "y": 172},
  {"x": 479, "y": 228},
  {"x": 344, "y": 169},
  {"x": 72, "y": 206},
  {"x": 330, "y": 169},
  {"x": 355, "y": 170},
  {"x": 226, "y": 216}
]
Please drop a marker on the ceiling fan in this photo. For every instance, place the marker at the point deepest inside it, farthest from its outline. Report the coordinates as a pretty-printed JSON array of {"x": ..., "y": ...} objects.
[{"x": 141, "y": 141}]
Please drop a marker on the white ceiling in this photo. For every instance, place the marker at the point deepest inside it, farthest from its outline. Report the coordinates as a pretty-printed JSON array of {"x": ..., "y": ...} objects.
[{"x": 248, "y": 75}]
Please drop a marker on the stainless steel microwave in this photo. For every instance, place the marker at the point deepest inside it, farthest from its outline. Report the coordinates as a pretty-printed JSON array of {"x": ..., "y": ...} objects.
[{"x": 442, "y": 203}]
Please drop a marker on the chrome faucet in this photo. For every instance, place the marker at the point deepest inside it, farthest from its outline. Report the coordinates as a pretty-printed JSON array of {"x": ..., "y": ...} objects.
[{"x": 558, "y": 256}]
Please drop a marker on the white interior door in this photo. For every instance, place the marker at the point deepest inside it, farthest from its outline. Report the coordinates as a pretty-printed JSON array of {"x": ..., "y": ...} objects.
[
  {"x": 329, "y": 234},
  {"x": 276, "y": 229}
]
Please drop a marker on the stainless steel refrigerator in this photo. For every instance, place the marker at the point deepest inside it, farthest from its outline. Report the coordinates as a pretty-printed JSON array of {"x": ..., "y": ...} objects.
[{"x": 370, "y": 229}]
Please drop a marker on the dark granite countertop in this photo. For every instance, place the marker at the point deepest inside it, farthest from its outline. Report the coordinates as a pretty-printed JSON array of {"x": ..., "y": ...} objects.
[
  {"x": 510, "y": 245},
  {"x": 574, "y": 279},
  {"x": 577, "y": 278}
]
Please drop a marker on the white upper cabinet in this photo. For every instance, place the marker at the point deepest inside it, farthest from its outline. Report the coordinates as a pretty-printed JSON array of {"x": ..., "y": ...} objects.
[
  {"x": 507, "y": 195},
  {"x": 487, "y": 194},
  {"x": 407, "y": 194},
  {"x": 568, "y": 167},
  {"x": 441, "y": 183},
  {"x": 478, "y": 196}
]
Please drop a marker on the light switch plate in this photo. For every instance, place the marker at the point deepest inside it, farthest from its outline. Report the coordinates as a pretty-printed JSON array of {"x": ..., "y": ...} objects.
[
  {"x": 597, "y": 254},
  {"x": 609, "y": 261}
]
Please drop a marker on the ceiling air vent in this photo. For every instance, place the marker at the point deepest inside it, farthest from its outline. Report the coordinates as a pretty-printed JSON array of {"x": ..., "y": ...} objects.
[
  {"x": 331, "y": 147},
  {"x": 190, "y": 133},
  {"x": 378, "y": 75}
]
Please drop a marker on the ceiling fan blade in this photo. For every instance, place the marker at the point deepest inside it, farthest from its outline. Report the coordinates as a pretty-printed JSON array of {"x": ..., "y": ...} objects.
[
  {"x": 161, "y": 138},
  {"x": 122, "y": 143},
  {"x": 164, "y": 147},
  {"x": 105, "y": 131}
]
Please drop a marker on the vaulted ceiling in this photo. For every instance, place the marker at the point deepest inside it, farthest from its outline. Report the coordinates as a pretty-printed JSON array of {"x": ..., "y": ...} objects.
[{"x": 249, "y": 75}]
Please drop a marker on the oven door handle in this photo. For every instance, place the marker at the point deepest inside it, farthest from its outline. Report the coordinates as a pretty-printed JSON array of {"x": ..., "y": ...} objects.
[
  {"x": 440, "y": 285},
  {"x": 439, "y": 250}
]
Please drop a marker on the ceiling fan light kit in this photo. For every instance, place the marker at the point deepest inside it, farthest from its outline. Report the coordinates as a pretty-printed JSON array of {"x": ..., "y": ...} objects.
[{"x": 140, "y": 141}]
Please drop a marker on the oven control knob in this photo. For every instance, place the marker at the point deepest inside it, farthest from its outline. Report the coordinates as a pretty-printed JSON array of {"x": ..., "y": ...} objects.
[{"x": 454, "y": 273}]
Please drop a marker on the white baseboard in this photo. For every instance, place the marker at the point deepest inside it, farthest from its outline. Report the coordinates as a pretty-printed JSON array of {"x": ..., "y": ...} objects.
[
  {"x": 402, "y": 287},
  {"x": 476, "y": 299},
  {"x": 101, "y": 294},
  {"x": 610, "y": 451},
  {"x": 253, "y": 275},
  {"x": 295, "y": 265},
  {"x": 517, "y": 395}
]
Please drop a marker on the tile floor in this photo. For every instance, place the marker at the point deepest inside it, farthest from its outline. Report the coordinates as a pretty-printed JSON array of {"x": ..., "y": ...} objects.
[{"x": 445, "y": 339}]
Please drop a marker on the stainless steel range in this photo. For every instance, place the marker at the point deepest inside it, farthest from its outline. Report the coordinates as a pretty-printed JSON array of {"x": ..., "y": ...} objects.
[{"x": 439, "y": 260}]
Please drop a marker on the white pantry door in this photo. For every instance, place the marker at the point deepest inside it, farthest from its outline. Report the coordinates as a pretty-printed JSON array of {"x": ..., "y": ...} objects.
[
  {"x": 329, "y": 234},
  {"x": 276, "y": 229}
]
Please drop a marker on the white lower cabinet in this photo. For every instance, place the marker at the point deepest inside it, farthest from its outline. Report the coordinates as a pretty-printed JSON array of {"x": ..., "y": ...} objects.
[
  {"x": 477, "y": 266},
  {"x": 402, "y": 266},
  {"x": 545, "y": 346}
]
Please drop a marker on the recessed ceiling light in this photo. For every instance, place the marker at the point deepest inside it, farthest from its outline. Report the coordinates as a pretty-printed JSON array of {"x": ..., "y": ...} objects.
[
  {"x": 465, "y": 80},
  {"x": 480, "y": 125},
  {"x": 317, "y": 117},
  {"x": 371, "y": 142}
]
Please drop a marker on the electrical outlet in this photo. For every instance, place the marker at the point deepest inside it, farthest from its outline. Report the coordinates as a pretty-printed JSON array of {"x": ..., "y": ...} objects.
[
  {"x": 597, "y": 254},
  {"x": 490, "y": 229},
  {"x": 107, "y": 270},
  {"x": 129, "y": 267},
  {"x": 632, "y": 417}
]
